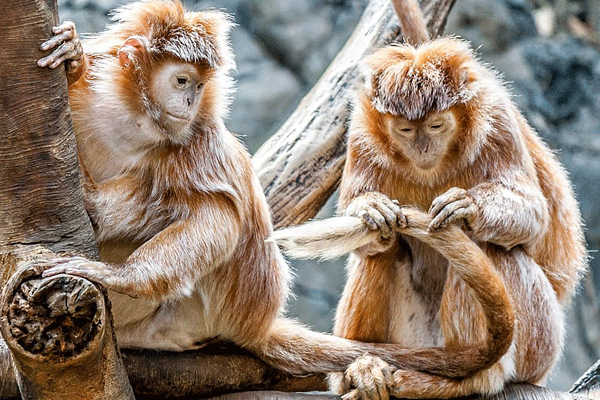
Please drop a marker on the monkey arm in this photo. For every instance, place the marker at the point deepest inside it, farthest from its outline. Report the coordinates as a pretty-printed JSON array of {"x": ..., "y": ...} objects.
[
  {"x": 159, "y": 267},
  {"x": 509, "y": 211},
  {"x": 169, "y": 264}
]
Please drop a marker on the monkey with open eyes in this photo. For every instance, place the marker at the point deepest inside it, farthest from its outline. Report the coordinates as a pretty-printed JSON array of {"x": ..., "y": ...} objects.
[
  {"x": 180, "y": 219},
  {"x": 435, "y": 129}
]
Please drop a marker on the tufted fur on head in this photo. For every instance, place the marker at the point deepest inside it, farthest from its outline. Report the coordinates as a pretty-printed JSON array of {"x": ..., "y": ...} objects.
[
  {"x": 410, "y": 81},
  {"x": 196, "y": 37},
  {"x": 144, "y": 35}
]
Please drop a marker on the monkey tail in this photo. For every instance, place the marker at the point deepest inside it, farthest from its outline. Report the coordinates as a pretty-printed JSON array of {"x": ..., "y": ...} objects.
[
  {"x": 291, "y": 347},
  {"x": 412, "y": 21},
  {"x": 338, "y": 235},
  {"x": 324, "y": 239}
]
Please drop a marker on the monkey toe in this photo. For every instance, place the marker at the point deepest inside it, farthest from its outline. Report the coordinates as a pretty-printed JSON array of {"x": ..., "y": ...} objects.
[{"x": 371, "y": 377}]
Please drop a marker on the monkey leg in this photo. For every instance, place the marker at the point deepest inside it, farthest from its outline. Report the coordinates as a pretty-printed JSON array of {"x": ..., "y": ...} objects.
[{"x": 364, "y": 308}]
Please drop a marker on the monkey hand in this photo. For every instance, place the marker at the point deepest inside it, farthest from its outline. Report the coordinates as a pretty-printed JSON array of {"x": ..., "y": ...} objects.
[
  {"x": 378, "y": 212},
  {"x": 455, "y": 205},
  {"x": 65, "y": 46},
  {"x": 99, "y": 272},
  {"x": 370, "y": 378}
]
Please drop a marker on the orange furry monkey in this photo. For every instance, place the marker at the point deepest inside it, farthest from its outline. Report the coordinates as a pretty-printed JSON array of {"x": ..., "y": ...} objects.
[
  {"x": 435, "y": 129},
  {"x": 180, "y": 218}
]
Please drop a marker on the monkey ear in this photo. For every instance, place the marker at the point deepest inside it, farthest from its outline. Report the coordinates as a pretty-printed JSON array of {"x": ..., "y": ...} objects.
[
  {"x": 135, "y": 47},
  {"x": 464, "y": 78}
]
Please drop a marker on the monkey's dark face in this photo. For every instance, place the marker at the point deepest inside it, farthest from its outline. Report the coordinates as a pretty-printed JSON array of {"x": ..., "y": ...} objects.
[
  {"x": 424, "y": 141},
  {"x": 176, "y": 89}
]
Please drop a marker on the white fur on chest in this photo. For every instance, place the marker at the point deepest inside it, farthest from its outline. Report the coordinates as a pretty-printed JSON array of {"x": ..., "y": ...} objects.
[{"x": 112, "y": 141}]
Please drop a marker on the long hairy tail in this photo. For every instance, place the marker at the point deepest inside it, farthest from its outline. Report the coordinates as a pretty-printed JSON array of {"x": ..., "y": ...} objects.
[
  {"x": 339, "y": 235},
  {"x": 324, "y": 239}
]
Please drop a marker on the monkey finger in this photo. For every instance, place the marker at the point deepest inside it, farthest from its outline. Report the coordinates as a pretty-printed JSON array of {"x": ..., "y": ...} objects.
[
  {"x": 379, "y": 220},
  {"x": 64, "y": 260},
  {"x": 388, "y": 378},
  {"x": 57, "y": 40},
  {"x": 396, "y": 216},
  {"x": 401, "y": 220},
  {"x": 65, "y": 26},
  {"x": 450, "y": 196},
  {"x": 66, "y": 51},
  {"x": 447, "y": 214},
  {"x": 56, "y": 270},
  {"x": 368, "y": 220},
  {"x": 389, "y": 212},
  {"x": 52, "y": 61}
]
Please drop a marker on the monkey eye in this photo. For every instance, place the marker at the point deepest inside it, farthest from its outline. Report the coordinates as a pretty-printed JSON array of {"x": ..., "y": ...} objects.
[
  {"x": 182, "y": 81},
  {"x": 406, "y": 130},
  {"x": 436, "y": 126}
]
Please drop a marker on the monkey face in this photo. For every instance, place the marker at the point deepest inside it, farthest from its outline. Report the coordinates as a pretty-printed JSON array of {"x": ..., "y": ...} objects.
[
  {"x": 423, "y": 141},
  {"x": 176, "y": 89}
]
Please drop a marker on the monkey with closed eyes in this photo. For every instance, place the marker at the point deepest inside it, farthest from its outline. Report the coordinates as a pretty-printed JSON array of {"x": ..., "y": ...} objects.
[{"x": 436, "y": 143}]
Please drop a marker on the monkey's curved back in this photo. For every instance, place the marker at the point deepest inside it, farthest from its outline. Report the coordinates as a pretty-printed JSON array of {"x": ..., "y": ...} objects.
[{"x": 562, "y": 252}]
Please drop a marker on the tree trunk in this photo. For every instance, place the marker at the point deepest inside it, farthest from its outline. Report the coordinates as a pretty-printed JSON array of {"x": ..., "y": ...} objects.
[{"x": 41, "y": 207}]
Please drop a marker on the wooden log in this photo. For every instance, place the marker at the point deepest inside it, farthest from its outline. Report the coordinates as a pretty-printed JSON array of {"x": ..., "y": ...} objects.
[
  {"x": 589, "y": 381},
  {"x": 41, "y": 205},
  {"x": 60, "y": 336},
  {"x": 217, "y": 369}
]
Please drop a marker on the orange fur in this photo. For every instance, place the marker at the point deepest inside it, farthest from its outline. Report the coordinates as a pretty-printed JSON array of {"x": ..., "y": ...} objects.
[
  {"x": 526, "y": 221},
  {"x": 180, "y": 217}
]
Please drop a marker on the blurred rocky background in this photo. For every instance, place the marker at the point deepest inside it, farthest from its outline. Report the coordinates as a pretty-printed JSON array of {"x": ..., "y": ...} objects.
[{"x": 548, "y": 50}]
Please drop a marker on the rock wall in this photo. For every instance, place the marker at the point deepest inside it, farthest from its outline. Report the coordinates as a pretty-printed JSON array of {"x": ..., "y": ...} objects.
[{"x": 282, "y": 47}]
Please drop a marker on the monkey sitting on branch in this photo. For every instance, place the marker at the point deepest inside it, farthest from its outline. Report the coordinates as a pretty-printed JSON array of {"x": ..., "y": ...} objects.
[
  {"x": 437, "y": 130},
  {"x": 180, "y": 218}
]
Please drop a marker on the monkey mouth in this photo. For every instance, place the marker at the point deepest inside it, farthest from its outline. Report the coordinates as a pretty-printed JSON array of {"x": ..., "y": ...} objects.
[{"x": 178, "y": 117}]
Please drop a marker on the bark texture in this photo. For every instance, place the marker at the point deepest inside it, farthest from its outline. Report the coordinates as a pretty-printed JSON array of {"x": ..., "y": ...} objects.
[
  {"x": 57, "y": 329},
  {"x": 40, "y": 197}
]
